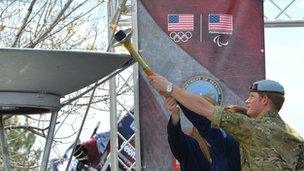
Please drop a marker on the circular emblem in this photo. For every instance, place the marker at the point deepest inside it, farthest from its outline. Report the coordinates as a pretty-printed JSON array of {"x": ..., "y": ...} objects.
[{"x": 204, "y": 85}]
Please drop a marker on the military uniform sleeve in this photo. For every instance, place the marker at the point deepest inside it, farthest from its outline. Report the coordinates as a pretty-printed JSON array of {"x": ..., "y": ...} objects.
[
  {"x": 238, "y": 125},
  {"x": 176, "y": 139},
  {"x": 300, "y": 164}
]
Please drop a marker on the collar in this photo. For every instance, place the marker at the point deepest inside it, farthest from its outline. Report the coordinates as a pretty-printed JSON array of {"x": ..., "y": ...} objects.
[{"x": 272, "y": 114}]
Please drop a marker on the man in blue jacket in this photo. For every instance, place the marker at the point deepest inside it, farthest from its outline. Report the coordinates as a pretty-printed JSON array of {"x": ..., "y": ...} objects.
[
  {"x": 184, "y": 147},
  {"x": 225, "y": 154}
]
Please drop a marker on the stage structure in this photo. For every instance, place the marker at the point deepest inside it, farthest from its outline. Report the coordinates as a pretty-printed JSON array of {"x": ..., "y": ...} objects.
[
  {"x": 121, "y": 15},
  {"x": 280, "y": 14},
  {"x": 33, "y": 81}
]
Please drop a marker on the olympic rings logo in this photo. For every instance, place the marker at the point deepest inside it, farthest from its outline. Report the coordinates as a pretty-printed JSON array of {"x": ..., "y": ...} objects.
[{"x": 180, "y": 36}]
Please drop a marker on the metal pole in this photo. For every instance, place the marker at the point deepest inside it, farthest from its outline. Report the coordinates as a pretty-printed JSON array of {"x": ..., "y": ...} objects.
[
  {"x": 136, "y": 88},
  {"x": 291, "y": 23},
  {"x": 113, "y": 125},
  {"x": 49, "y": 140},
  {"x": 81, "y": 126},
  {"x": 136, "y": 114},
  {"x": 113, "y": 19},
  {"x": 4, "y": 147}
]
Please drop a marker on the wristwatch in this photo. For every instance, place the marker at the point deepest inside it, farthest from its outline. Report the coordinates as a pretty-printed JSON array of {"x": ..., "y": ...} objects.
[{"x": 169, "y": 88}]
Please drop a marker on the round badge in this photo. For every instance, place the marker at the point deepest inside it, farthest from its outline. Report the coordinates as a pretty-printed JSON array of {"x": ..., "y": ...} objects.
[{"x": 204, "y": 85}]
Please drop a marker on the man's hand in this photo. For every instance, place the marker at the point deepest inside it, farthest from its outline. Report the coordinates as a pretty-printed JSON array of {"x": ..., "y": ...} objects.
[
  {"x": 172, "y": 106},
  {"x": 159, "y": 83}
]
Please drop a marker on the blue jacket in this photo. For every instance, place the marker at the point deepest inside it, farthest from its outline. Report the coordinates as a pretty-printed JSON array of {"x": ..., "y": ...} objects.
[
  {"x": 225, "y": 152},
  {"x": 186, "y": 150}
]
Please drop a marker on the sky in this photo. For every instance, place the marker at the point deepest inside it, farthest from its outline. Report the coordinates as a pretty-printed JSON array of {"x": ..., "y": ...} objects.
[{"x": 285, "y": 64}]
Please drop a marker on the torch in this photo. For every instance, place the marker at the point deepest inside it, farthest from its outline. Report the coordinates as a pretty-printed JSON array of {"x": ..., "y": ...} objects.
[{"x": 123, "y": 37}]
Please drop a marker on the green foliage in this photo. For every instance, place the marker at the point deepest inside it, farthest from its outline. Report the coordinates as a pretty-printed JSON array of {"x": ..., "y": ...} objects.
[{"x": 20, "y": 145}]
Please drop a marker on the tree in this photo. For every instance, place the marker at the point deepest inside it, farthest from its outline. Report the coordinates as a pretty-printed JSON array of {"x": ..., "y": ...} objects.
[
  {"x": 52, "y": 24},
  {"x": 20, "y": 143}
]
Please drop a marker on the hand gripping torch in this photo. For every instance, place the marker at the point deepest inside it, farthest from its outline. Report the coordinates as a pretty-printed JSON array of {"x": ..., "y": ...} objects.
[{"x": 123, "y": 37}]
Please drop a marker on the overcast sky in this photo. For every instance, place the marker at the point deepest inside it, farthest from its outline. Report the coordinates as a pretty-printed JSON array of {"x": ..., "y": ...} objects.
[{"x": 285, "y": 63}]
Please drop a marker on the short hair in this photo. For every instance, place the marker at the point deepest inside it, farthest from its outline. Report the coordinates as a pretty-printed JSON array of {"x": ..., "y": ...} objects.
[{"x": 276, "y": 99}]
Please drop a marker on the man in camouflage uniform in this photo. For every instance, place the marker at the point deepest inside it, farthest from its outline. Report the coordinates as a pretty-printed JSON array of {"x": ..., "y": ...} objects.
[{"x": 266, "y": 141}]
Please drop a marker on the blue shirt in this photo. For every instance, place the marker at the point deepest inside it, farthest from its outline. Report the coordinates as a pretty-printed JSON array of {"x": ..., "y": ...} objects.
[
  {"x": 186, "y": 150},
  {"x": 225, "y": 152}
]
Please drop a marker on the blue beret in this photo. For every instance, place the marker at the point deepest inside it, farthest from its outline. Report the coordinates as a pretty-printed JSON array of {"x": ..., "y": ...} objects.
[{"x": 267, "y": 86}]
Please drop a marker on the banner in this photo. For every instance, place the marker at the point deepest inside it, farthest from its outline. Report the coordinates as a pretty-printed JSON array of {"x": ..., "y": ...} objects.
[{"x": 208, "y": 47}]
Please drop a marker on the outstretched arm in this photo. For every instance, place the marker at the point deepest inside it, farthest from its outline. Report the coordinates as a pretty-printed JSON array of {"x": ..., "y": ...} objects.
[
  {"x": 176, "y": 138},
  {"x": 195, "y": 103},
  {"x": 213, "y": 136},
  {"x": 201, "y": 123}
]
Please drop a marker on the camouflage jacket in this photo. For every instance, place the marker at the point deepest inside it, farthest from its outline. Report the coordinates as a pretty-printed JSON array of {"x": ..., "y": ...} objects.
[{"x": 266, "y": 143}]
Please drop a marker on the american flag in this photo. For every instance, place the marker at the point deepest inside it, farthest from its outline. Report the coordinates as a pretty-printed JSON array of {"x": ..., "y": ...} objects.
[
  {"x": 220, "y": 23},
  {"x": 180, "y": 22}
]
